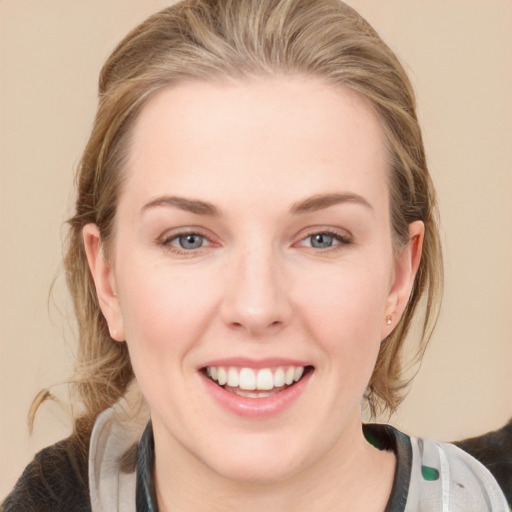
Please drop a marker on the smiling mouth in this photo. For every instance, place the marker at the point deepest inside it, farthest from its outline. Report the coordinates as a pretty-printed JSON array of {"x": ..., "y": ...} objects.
[{"x": 261, "y": 383}]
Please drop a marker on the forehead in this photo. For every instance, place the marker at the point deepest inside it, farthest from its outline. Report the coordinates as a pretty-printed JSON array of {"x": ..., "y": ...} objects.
[{"x": 289, "y": 134}]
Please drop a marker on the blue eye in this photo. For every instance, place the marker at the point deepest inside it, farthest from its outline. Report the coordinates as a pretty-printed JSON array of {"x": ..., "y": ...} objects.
[
  {"x": 325, "y": 240},
  {"x": 322, "y": 240},
  {"x": 190, "y": 241}
]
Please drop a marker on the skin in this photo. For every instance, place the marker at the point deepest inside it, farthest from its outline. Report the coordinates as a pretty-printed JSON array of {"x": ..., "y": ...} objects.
[{"x": 257, "y": 288}]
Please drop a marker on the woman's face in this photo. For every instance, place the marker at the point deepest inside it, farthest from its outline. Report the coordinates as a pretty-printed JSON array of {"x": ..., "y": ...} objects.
[{"x": 253, "y": 243}]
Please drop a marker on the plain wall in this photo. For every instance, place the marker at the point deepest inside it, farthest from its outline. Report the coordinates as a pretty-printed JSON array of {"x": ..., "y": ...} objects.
[{"x": 458, "y": 54}]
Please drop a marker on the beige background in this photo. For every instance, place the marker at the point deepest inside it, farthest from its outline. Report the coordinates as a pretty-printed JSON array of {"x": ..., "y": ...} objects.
[{"x": 459, "y": 56}]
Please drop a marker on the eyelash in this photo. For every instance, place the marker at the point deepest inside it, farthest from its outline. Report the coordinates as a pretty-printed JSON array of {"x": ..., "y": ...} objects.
[
  {"x": 166, "y": 241},
  {"x": 341, "y": 240}
]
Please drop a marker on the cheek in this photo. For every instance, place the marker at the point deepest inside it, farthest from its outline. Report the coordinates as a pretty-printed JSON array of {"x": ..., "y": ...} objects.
[
  {"x": 346, "y": 314},
  {"x": 164, "y": 312},
  {"x": 344, "y": 318}
]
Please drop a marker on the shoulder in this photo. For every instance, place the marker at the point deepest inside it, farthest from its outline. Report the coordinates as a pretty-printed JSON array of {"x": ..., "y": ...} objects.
[
  {"x": 433, "y": 476},
  {"x": 494, "y": 451},
  {"x": 444, "y": 477},
  {"x": 56, "y": 480}
]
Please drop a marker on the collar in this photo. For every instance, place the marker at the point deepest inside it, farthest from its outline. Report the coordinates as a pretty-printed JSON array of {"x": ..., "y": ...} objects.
[
  {"x": 112, "y": 456},
  {"x": 386, "y": 437},
  {"x": 145, "y": 491}
]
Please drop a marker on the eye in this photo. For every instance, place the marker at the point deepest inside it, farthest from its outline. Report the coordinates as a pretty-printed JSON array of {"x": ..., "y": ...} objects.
[
  {"x": 184, "y": 242},
  {"x": 325, "y": 240},
  {"x": 322, "y": 240},
  {"x": 189, "y": 241}
]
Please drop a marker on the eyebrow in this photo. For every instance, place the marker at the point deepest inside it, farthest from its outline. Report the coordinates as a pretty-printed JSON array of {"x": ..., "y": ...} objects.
[
  {"x": 320, "y": 202},
  {"x": 188, "y": 205},
  {"x": 311, "y": 204}
]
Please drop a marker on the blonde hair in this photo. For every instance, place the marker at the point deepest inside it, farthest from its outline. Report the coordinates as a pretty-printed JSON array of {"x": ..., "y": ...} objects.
[{"x": 239, "y": 39}]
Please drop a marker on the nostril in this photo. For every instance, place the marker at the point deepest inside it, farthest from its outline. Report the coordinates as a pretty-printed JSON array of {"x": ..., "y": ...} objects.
[{"x": 255, "y": 328}]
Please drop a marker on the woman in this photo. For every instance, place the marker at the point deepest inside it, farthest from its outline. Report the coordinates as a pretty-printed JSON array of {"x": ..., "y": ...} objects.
[{"x": 255, "y": 229}]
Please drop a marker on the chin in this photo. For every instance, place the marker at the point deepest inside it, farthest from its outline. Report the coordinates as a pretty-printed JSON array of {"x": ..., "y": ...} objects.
[
  {"x": 249, "y": 473},
  {"x": 260, "y": 463}
]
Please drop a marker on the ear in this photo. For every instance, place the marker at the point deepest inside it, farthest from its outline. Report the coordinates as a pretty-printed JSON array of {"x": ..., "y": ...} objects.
[
  {"x": 104, "y": 281},
  {"x": 405, "y": 270}
]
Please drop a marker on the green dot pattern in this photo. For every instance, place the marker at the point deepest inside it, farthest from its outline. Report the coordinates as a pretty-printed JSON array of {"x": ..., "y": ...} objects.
[{"x": 429, "y": 474}]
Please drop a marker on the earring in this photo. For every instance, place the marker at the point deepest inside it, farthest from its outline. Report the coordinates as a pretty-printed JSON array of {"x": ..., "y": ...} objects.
[{"x": 388, "y": 320}]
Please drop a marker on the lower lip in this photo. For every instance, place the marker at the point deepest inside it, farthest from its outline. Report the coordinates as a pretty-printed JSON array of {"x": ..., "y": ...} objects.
[{"x": 256, "y": 407}]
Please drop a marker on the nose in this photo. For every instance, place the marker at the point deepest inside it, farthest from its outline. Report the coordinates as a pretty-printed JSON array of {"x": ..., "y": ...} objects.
[{"x": 256, "y": 298}]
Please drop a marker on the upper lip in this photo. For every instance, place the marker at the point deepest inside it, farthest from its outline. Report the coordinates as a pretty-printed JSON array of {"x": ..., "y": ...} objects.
[{"x": 247, "y": 362}]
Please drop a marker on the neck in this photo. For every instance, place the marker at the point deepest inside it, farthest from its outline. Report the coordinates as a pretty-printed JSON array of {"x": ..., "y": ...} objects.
[{"x": 337, "y": 481}]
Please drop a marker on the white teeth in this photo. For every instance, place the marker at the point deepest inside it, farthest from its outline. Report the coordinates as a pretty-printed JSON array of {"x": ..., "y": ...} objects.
[
  {"x": 248, "y": 380},
  {"x": 233, "y": 377},
  {"x": 246, "y": 393},
  {"x": 222, "y": 376},
  {"x": 279, "y": 378},
  {"x": 265, "y": 380},
  {"x": 298, "y": 373}
]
